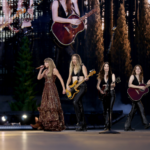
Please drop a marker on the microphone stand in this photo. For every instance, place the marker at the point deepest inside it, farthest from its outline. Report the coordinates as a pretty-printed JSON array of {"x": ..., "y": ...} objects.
[{"x": 109, "y": 131}]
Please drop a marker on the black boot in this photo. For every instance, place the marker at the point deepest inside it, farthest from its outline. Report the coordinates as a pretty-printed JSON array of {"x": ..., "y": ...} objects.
[
  {"x": 81, "y": 127},
  {"x": 147, "y": 126},
  {"x": 129, "y": 129}
]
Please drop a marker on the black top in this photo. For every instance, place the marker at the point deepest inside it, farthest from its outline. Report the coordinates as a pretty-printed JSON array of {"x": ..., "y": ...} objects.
[
  {"x": 135, "y": 81},
  {"x": 103, "y": 82},
  {"x": 80, "y": 73},
  {"x": 61, "y": 12}
]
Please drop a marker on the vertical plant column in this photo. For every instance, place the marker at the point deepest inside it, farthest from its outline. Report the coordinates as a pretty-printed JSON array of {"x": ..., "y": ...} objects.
[
  {"x": 120, "y": 52},
  {"x": 24, "y": 92},
  {"x": 95, "y": 41},
  {"x": 95, "y": 50},
  {"x": 143, "y": 35}
]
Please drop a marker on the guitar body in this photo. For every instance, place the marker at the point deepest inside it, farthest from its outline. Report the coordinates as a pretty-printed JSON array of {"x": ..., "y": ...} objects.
[
  {"x": 137, "y": 94},
  {"x": 74, "y": 87},
  {"x": 71, "y": 94},
  {"x": 100, "y": 95},
  {"x": 106, "y": 88},
  {"x": 65, "y": 33}
]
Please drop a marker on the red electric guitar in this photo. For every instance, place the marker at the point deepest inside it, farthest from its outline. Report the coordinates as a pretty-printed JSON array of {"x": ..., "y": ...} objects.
[
  {"x": 65, "y": 33},
  {"x": 137, "y": 94},
  {"x": 106, "y": 88}
]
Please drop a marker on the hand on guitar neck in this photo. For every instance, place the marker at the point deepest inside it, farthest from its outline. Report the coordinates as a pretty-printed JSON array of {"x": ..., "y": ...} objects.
[{"x": 148, "y": 82}]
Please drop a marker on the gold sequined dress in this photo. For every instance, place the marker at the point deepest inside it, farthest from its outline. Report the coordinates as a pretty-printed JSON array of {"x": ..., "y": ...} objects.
[{"x": 50, "y": 112}]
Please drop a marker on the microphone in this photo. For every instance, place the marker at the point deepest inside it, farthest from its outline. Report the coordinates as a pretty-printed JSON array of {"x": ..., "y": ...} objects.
[{"x": 38, "y": 67}]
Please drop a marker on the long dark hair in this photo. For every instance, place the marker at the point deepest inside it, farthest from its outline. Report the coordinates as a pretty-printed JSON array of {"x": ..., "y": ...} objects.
[
  {"x": 69, "y": 6},
  {"x": 102, "y": 72},
  {"x": 141, "y": 74}
]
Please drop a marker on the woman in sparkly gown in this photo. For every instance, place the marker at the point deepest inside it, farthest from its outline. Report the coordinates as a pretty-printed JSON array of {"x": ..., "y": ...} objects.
[{"x": 50, "y": 112}]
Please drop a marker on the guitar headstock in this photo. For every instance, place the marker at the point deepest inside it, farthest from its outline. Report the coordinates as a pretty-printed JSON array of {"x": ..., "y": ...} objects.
[
  {"x": 118, "y": 80},
  {"x": 92, "y": 72}
]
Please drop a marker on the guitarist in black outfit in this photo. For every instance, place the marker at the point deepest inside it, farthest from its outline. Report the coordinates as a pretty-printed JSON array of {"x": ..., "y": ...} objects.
[
  {"x": 78, "y": 72},
  {"x": 136, "y": 78},
  {"x": 61, "y": 9},
  {"x": 104, "y": 81},
  {"x": 22, "y": 24}
]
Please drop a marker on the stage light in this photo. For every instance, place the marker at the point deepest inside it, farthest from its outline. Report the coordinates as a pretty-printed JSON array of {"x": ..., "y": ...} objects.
[
  {"x": 24, "y": 117},
  {"x": 4, "y": 118}
]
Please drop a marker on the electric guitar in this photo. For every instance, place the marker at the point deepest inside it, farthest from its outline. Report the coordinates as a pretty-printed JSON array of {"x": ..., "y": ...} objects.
[
  {"x": 105, "y": 89},
  {"x": 137, "y": 94},
  {"x": 21, "y": 11},
  {"x": 65, "y": 33},
  {"x": 74, "y": 87}
]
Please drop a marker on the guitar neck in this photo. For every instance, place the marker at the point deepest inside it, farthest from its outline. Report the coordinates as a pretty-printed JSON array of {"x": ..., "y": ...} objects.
[
  {"x": 147, "y": 85},
  {"x": 80, "y": 82},
  {"x": 116, "y": 81},
  {"x": 87, "y": 15}
]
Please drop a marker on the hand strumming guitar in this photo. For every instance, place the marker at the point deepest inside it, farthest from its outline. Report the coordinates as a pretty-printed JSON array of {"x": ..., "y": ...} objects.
[
  {"x": 75, "y": 21},
  {"x": 98, "y": 88},
  {"x": 68, "y": 88},
  {"x": 142, "y": 87}
]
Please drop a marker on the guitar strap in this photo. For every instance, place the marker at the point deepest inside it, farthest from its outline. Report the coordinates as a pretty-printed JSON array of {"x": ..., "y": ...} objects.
[
  {"x": 74, "y": 10},
  {"x": 107, "y": 82}
]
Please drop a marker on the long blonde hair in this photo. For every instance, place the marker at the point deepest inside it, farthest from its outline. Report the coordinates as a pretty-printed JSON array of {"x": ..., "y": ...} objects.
[
  {"x": 79, "y": 63},
  {"x": 51, "y": 65}
]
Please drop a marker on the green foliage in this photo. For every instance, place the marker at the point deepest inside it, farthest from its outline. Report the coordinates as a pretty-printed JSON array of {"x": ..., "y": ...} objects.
[{"x": 24, "y": 93}]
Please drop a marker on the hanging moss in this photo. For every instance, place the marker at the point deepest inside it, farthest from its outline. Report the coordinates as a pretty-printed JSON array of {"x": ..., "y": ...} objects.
[
  {"x": 120, "y": 51},
  {"x": 95, "y": 39},
  {"x": 143, "y": 35}
]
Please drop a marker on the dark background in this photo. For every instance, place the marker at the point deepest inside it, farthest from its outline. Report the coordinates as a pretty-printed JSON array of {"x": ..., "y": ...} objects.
[{"x": 42, "y": 48}]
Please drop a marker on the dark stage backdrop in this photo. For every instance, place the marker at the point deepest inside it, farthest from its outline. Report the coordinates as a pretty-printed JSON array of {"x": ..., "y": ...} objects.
[{"x": 130, "y": 47}]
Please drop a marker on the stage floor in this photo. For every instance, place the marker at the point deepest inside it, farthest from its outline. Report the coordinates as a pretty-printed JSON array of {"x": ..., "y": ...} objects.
[{"x": 72, "y": 140}]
